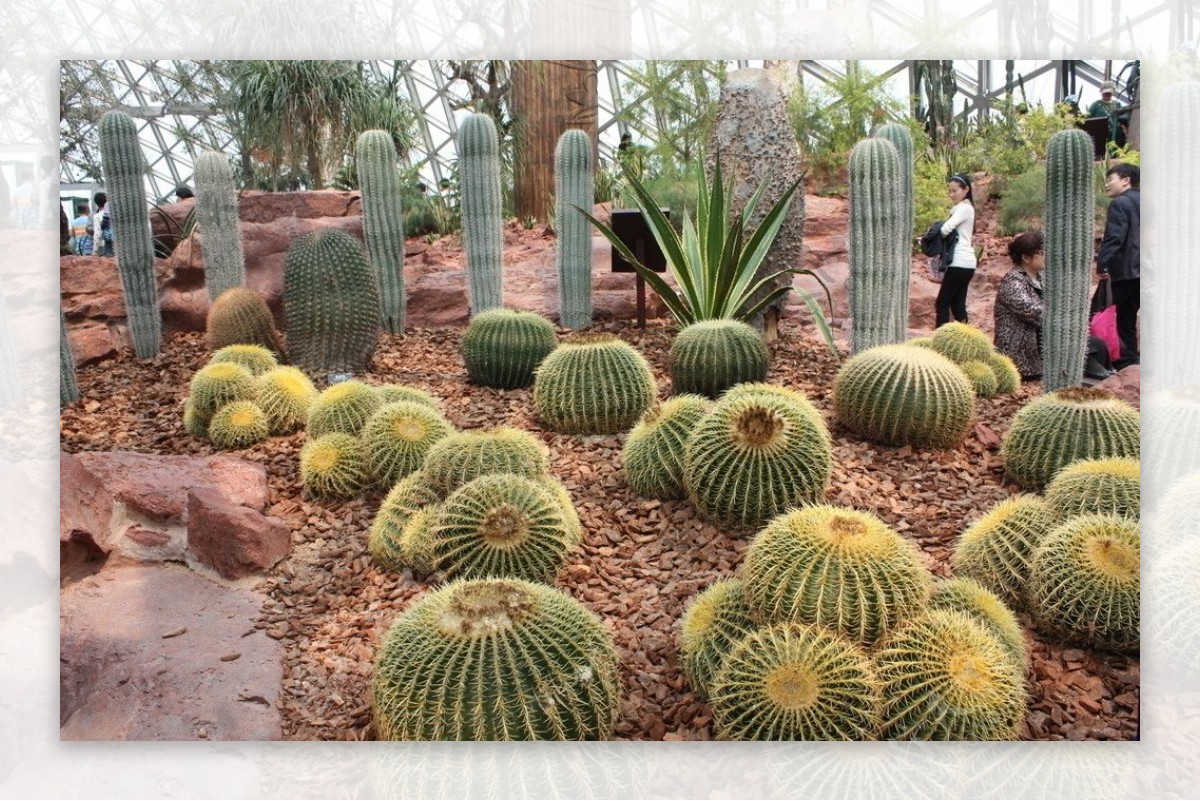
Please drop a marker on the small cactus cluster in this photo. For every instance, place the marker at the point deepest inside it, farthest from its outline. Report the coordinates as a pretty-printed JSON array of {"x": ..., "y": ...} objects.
[
  {"x": 502, "y": 348},
  {"x": 223, "y": 398},
  {"x": 710, "y": 356},
  {"x": 593, "y": 384},
  {"x": 989, "y": 371},
  {"x": 835, "y": 630}
]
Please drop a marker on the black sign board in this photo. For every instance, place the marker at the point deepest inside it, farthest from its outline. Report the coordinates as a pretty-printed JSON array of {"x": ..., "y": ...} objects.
[
  {"x": 1097, "y": 129},
  {"x": 631, "y": 228}
]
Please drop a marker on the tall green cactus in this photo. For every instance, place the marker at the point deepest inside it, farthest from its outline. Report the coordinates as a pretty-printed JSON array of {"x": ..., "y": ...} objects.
[
  {"x": 217, "y": 210},
  {"x": 879, "y": 266},
  {"x": 901, "y": 139},
  {"x": 383, "y": 223},
  {"x": 124, "y": 167},
  {"x": 482, "y": 214},
  {"x": 68, "y": 388},
  {"x": 1070, "y": 230},
  {"x": 574, "y": 187},
  {"x": 330, "y": 302}
]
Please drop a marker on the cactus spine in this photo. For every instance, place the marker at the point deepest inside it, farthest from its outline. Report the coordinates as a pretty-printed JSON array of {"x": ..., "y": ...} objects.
[
  {"x": 240, "y": 317},
  {"x": 1069, "y": 238},
  {"x": 68, "y": 388},
  {"x": 879, "y": 268},
  {"x": 217, "y": 210},
  {"x": 503, "y": 347},
  {"x": 383, "y": 223},
  {"x": 901, "y": 139},
  {"x": 124, "y": 167},
  {"x": 573, "y": 186},
  {"x": 710, "y": 356},
  {"x": 482, "y": 211}
]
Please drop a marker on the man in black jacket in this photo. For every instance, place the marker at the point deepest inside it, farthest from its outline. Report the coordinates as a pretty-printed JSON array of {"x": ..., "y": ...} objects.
[{"x": 1119, "y": 260}]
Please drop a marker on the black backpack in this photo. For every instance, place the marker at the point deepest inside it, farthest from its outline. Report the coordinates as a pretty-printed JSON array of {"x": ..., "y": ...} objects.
[{"x": 934, "y": 244}]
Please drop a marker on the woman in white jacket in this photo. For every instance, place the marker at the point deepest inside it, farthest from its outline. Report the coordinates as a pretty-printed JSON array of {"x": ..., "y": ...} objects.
[{"x": 952, "y": 297}]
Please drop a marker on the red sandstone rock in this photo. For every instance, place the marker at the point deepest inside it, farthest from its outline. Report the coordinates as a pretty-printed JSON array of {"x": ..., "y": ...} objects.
[
  {"x": 1126, "y": 385},
  {"x": 233, "y": 540}
]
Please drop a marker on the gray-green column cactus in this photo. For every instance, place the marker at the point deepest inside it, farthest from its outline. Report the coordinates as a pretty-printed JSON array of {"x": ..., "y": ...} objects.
[
  {"x": 68, "y": 388},
  {"x": 901, "y": 139},
  {"x": 574, "y": 186},
  {"x": 482, "y": 213},
  {"x": 1070, "y": 230},
  {"x": 383, "y": 223},
  {"x": 124, "y": 168},
  {"x": 217, "y": 210},
  {"x": 878, "y": 264}
]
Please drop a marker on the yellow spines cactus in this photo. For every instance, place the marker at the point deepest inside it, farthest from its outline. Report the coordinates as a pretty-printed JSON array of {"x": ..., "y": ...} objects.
[
  {"x": 997, "y": 550},
  {"x": 254, "y": 358},
  {"x": 343, "y": 407},
  {"x": 1086, "y": 582},
  {"x": 839, "y": 568},
  {"x": 593, "y": 384},
  {"x": 1054, "y": 430},
  {"x": 193, "y": 422},
  {"x": 496, "y": 659},
  {"x": 285, "y": 394},
  {"x": 391, "y": 393},
  {"x": 652, "y": 459},
  {"x": 758, "y": 451},
  {"x": 397, "y": 438},
  {"x": 1097, "y": 486},
  {"x": 215, "y": 385},
  {"x": 1008, "y": 377},
  {"x": 946, "y": 677},
  {"x": 794, "y": 682},
  {"x": 417, "y": 541},
  {"x": 240, "y": 317},
  {"x": 968, "y": 595},
  {"x": 904, "y": 395},
  {"x": 570, "y": 515},
  {"x": 982, "y": 377},
  {"x": 386, "y": 540},
  {"x": 961, "y": 343},
  {"x": 332, "y": 466},
  {"x": 238, "y": 424},
  {"x": 715, "y": 621},
  {"x": 466, "y": 455}
]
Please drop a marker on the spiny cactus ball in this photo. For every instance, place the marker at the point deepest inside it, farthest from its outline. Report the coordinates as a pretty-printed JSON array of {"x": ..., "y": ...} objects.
[
  {"x": 715, "y": 621},
  {"x": 215, "y": 385},
  {"x": 961, "y": 343},
  {"x": 1054, "y": 430},
  {"x": 1086, "y": 582},
  {"x": 193, "y": 422},
  {"x": 240, "y": 317},
  {"x": 285, "y": 394},
  {"x": 946, "y": 677},
  {"x": 921, "y": 342},
  {"x": 496, "y": 659},
  {"x": 793, "y": 682},
  {"x": 904, "y": 395},
  {"x": 397, "y": 438},
  {"x": 418, "y": 542},
  {"x": 466, "y": 455},
  {"x": 238, "y": 424},
  {"x": 343, "y": 407},
  {"x": 502, "y": 526},
  {"x": 332, "y": 466},
  {"x": 1097, "y": 486},
  {"x": 593, "y": 384},
  {"x": 969, "y": 596},
  {"x": 710, "y": 356},
  {"x": 1008, "y": 377},
  {"x": 997, "y": 550},
  {"x": 385, "y": 541},
  {"x": 755, "y": 454},
  {"x": 503, "y": 347},
  {"x": 570, "y": 516},
  {"x": 254, "y": 358},
  {"x": 839, "y": 568},
  {"x": 652, "y": 458},
  {"x": 392, "y": 393},
  {"x": 982, "y": 377}
]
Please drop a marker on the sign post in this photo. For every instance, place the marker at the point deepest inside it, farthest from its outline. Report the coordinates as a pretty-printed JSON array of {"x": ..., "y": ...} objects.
[{"x": 630, "y": 227}]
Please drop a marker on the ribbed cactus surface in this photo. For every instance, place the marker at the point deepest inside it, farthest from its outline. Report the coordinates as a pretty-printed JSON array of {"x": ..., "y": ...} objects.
[
  {"x": 124, "y": 170},
  {"x": 386, "y": 539},
  {"x": 68, "y": 387},
  {"x": 482, "y": 212},
  {"x": 496, "y": 659},
  {"x": 879, "y": 259},
  {"x": 240, "y": 317},
  {"x": 502, "y": 347},
  {"x": 238, "y": 425},
  {"x": 1008, "y": 377},
  {"x": 383, "y": 223},
  {"x": 285, "y": 395},
  {"x": 215, "y": 385},
  {"x": 466, "y": 455},
  {"x": 715, "y": 621},
  {"x": 968, "y": 595},
  {"x": 392, "y": 393},
  {"x": 254, "y": 358},
  {"x": 573, "y": 187},
  {"x": 1097, "y": 486},
  {"x": 217, "y": 213},
  {"x": 331, "y": 303},
  {"x": 593, "y": 384},
  {"x": 332, "y": 466},
  {"x": 997, "y": 550},
  {"x": 982, "y": 377},
  {"x": 397, "y": 437},
  {"x": 344, "y": 407},
  {"x": 652, "y": 459},
  {"x": 1070, "y": 237},
  {"x": 898, "y": 134},
  {"x": 710, "y": 356},
  {"x": 961, "y": 342}
]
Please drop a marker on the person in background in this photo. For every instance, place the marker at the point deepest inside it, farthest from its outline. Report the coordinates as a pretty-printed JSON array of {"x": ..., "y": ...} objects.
[
  {"x": 102, "y": 240},
  {"x": 952, "y": 297},
  {"x": 183, "y": 192},
  {"x": 1019, "y": 305},
  {"x": 81, "y": 231},
  {"x": 1108, "y": 106},
  {"x": 1119, "y": 260}
]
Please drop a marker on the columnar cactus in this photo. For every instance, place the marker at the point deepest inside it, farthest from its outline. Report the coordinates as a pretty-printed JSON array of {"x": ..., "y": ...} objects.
[
  {"x": 68, "y": 387},
  {"x": 238, "y": 424},
  {"x": 901, "y": 139},
  {"x": 383, "y": 223},
  {"x": 1070, "y": 232},
  {"x": 343, "y": 407},
  {"x": 1097, "y": 486},
  {"x": 217, "y": 212},
  {"x": 710, "y": 356},
  {"x": 332, "y": 466},
  {"x": 124, "y": 171},
  {"x": 969, "y": 596},
  {"x": 285, "y": 395},
  {"x": 397, "y": 438},
  {"x": 496, "y": 659},
  {"x": 573, "y": 187},
  {"x": 502, "y": 347},
  {"x": 997, "y": 550},
  {"x": 482, "y": 214},
  {"x": 899, "y": 394},
  {"x": 331, "y": 303},
  {"x": 1054, "y": 430},
  {"x": 466, "y": 455},
  {"x": 715, "y": 621},
  {"x": 386, "y": 539},
  {"x": 839, "y": 568},
  {"x": 759, "y": 451},
  {"x": 793, "y": 682},
  {"x": 254, "y": 358},
  {"x": 879, "y": 261},
  {"x": 240, "y": 317},
  {"x": 652, "y": 459},
  {"x": 593, "y": 384},
  {"x": 215, "y": 385}
]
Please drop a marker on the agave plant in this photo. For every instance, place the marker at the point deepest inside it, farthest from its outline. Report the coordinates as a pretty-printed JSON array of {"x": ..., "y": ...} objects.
[{"x": 714, "y": 261}]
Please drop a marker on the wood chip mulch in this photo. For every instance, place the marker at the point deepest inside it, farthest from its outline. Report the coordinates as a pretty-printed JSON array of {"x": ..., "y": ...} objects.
[{"x": 641, "y": 561}]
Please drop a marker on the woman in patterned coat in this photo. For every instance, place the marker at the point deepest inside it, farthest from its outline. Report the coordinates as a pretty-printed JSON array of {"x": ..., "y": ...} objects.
[{"x": 1019, "y": 305}]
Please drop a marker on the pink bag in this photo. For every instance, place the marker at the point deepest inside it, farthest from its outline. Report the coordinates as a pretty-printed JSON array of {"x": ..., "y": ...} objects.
[{"x": 1104, "y": 326}]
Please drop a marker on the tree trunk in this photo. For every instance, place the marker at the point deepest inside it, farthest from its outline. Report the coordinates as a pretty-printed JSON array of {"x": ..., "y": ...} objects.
[{"x": 548, "y": 97}]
